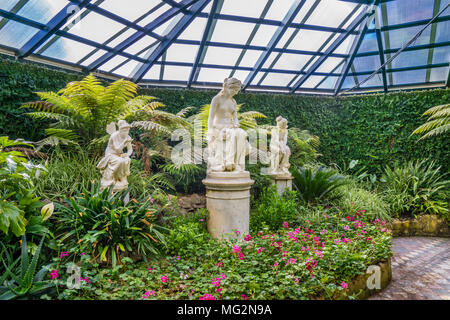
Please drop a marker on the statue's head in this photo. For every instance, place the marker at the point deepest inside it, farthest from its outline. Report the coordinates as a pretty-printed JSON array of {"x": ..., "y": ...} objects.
[
  {"x": 232, "y": 85},
  {"x": 282, "y": 122},
  {"x": 124, "y": 128}
]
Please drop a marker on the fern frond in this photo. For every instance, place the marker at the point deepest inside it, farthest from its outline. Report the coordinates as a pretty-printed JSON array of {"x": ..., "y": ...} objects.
[
  {"x": 436, "y": 109},
  {"x": 150, "y": 126},
  {"x": 437, "y": 131},
  {"x": 65, "y": 134},
  {"x": 183, "y": 112},
  {"x": 252, "y": 115},
  {"x": 51, "y": 116}
]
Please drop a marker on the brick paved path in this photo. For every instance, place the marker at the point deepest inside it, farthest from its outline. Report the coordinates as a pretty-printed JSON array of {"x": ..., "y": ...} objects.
[{"x": 420, "y": 270}]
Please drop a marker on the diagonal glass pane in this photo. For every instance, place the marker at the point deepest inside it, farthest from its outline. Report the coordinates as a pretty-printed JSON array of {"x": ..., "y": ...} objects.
[
  {"x": 67, "y": 50},
  {"x": 42, "y": 10},
  {"x": 130, "y": 10},
  {"x": 15, "y": 34}
]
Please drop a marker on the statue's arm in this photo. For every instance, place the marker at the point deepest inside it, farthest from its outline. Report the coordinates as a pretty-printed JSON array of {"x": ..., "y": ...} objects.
[
  {"x": 212, "y": 113},
  {"x": 129, "y": 148},
  {"x": 235, "y": 116}
]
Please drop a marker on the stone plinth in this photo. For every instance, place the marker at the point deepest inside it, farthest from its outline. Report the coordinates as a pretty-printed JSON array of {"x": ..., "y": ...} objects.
[
  {"x": 282, "y": 181},
  {"x": 228, "y": 203}
]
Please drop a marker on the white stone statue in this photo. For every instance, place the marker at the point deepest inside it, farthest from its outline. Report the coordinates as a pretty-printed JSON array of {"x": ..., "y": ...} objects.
[
  {"x": 227, "y": 143},
  {"x": 115, "y": 165},
  {"x": 279, "y": 150}
]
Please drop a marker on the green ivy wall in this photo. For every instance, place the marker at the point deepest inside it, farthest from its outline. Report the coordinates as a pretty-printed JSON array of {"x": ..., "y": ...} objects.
[{"x": 372, "y": 128}]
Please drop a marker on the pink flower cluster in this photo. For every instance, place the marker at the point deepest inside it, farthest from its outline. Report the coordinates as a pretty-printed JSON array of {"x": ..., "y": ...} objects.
[
  {"x": 291, "y": 260},
  {"x": 148, "y": 294},
  {"x": 237, "y": 249},
  {"x": 216, "y": 282},
  {"x": 164, "y": 279},
  {"x": 54, "y": 274},
  {"x": 63, "y": 254},
  {"x": 207, "y": 296},
  {"x": 85, "y": 279},
  {"x": 260, "y": 250}
]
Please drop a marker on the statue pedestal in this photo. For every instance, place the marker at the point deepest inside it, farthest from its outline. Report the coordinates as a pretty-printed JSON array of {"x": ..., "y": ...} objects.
[
  {"x": 282, "y": 181},
  {"x": 228, "y": 203}
]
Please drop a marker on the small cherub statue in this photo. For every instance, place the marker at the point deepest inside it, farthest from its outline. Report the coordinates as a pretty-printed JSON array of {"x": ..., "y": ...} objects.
[
  {"x": 279, "y": 150},
  {"x": 115, "y": 165}
]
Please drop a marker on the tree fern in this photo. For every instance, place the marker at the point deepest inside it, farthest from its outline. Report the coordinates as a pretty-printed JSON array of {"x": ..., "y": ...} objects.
[{"x": 81, "y": 111}]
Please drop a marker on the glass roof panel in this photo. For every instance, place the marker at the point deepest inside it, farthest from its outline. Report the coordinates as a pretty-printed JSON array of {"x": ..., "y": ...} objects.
[
  {"x": 109, "y": 65},
  {"x": 176, "y": 73},
  {"x": 335, "y": 12},
  {"x": 152, "y": 16},
  {"x": 408, "y": 77},
  {"x": 439, "y": 74},
  {"x": 376, "y": 81},
  {"x": 8, "y": 4},
  {"x": 349, "y": 82},
  {"x": 222, "y": 56},
  {"x": 250, "y": 57},
  {"x": 328, "y": 83},
  {"x": 401, "y": 11},
  {"x": 369, "y": 43},
  {"x": 410, "y": 58},
  {"x": 312, "y": 81},
  {"x": 15, "y": 34},
  {"x": 277, "y": 79},
  {"x": 289, "y": 61},
  {"x": 212, "y": 75},
  {"x": 195, "y": 30},
  {"x": 241, "y": 74},
  {"x": 93, "y": 57},
  {"x": 263, "y": 36},
  {"x": 443, "y": 30},
  {"x": 118, "y": 39},
  {"x": 232, "y": 32},
  {"x": 127, "y": 68},
  {"x": 153, "y": 73},
  {"x": 140, "y": 45},
  {"x": 247, "y": 8},
  {"x": 42, "y": 10},
  {"x": 68, "y": 50},
  {"x": 278, "y": 9},
  {"x": 309, "y": 40},
  {"x": 329, "y": 64},
  {"x": 181, "y": 53},
  {"x": 441, "y": 55},
  {"x": 130, "y": 9},
  {"x": 399, "y": 37},
  {"x": 96, "y": 27}
]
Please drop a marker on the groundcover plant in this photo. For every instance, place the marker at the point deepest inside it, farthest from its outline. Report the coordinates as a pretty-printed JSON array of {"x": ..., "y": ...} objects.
[{"x": 296, "y": 262}]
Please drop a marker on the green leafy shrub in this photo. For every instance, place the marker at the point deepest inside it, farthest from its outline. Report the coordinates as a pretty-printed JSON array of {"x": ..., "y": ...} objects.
[
  {"x": 415, "y": 188},
  {"x": 273, "y": 209},
  {"x": 21, "y": 280},
  {"x": 187, "y": 233},
  {"x": 68, "y": 172},
  {"x": 99, "y": 222},
  {"x": 314, "y": 186},
  {"x": 19, "y": 206},
  {"x": 355, "y": 199}
]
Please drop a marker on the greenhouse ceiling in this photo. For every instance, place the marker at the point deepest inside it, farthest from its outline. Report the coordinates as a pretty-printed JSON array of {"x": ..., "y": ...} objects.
[{"x": 286, "y": 46}]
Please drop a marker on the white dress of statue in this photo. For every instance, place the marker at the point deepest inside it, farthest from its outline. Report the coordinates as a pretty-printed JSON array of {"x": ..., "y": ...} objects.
[
  {"x": 227, "y": 143},
  {"x": 115, "y": 165},
  {"x": 279, "y": 150}
]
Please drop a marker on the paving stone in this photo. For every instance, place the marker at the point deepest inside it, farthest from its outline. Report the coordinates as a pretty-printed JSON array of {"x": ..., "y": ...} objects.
[{"x": 420, "y": 270}]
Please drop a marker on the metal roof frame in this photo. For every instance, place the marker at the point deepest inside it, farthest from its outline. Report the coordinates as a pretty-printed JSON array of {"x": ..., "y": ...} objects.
[{"x": 186, "y": 11}]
